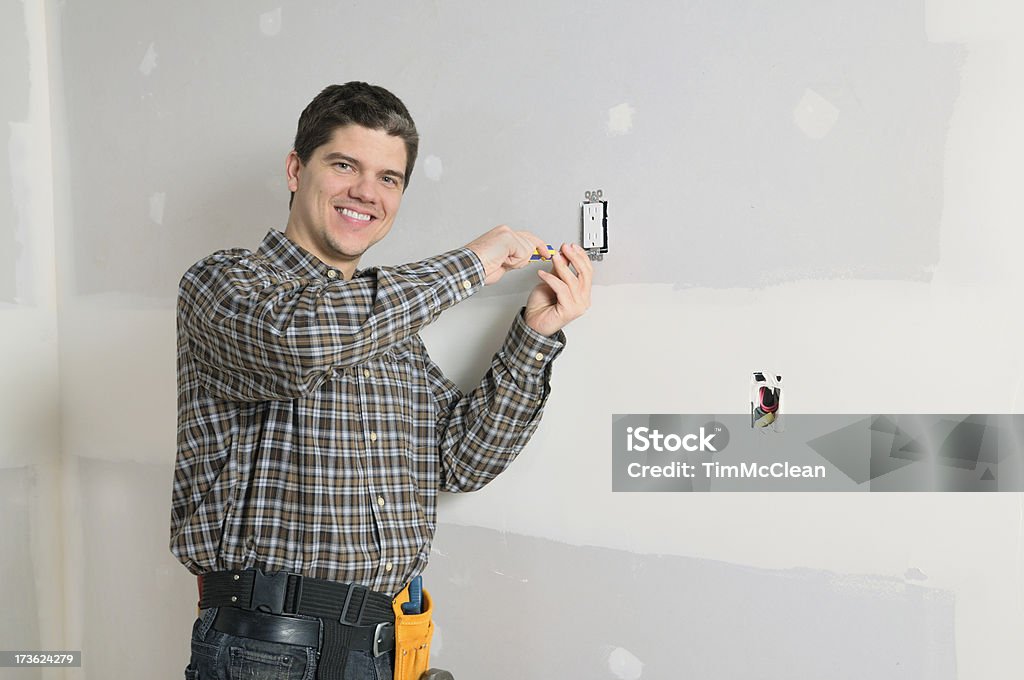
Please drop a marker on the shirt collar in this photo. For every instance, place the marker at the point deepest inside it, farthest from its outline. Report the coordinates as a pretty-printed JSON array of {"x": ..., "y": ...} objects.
[{"x": 286, "y": 254}]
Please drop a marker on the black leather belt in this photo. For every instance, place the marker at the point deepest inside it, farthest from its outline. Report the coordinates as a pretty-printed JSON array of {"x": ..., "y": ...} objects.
[{"x": 289, "y": 630}]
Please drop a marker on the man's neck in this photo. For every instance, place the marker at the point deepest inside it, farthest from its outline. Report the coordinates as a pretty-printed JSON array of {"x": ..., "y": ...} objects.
[{"x": 346, "y": 267}]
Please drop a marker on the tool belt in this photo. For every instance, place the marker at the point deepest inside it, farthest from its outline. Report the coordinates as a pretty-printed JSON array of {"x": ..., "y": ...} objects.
[{"x": 351, "y": 616}]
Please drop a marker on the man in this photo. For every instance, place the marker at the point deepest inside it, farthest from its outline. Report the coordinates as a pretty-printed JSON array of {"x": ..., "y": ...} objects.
[{"x": 314, "y": 431}]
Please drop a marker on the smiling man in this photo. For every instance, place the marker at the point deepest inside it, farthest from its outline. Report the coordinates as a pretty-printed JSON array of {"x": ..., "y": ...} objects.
[{"x": 314, "y": 431}]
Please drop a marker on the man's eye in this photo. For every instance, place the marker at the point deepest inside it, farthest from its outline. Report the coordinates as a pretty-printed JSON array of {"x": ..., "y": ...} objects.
[{"x": 342, "y": 165}]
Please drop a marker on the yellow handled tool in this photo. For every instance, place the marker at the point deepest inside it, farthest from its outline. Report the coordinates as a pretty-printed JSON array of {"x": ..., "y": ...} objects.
[{"x": 538, "y": 256}]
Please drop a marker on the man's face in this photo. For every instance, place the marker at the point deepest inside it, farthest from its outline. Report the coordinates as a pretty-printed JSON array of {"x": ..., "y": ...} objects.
[{"x": 347, "y": 195}]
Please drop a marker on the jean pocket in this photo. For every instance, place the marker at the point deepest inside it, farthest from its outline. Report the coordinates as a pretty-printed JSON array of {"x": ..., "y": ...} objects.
[
  {"x": 254, "y": 664},
  {"x": 203, "y": 649}
]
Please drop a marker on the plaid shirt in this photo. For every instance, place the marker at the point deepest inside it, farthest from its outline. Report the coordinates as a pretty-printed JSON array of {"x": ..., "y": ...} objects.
[{"x": 314, "y": 431}]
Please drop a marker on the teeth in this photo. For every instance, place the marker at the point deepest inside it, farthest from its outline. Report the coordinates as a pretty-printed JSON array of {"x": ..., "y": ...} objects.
[{"x": 353, "y": 214}]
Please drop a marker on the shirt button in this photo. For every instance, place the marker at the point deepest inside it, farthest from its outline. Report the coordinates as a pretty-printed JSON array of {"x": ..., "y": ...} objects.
[
  {"x": 467, "y": 285},
  {"x": 373, "y": 436},
  {"x": 380, "y": 501},
  {"x": 331, "y": 274},
  {"x": 366, "y": 374},
  {"x": 539, "y": 356},
  {"x": 388, "y": 566}
]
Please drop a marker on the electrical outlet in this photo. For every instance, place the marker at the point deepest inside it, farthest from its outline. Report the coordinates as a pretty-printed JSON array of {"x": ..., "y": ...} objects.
[{"x": 595, "y": 225}]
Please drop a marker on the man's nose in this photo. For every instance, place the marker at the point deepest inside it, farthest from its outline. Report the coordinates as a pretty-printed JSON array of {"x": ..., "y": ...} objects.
[{"x": 363, "y": 189}]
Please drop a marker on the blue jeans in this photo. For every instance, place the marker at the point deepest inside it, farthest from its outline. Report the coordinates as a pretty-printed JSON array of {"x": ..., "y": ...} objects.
[{"x": 219, "y": 656}]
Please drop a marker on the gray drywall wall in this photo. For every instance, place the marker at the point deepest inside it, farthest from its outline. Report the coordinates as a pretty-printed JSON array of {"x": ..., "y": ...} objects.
[
  {"x": 841, "y": 173},
  {"x": 739, "y": 144}
]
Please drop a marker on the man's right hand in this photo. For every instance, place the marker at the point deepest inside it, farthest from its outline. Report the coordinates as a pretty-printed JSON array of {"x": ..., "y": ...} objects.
[{"x": 501, "y": 250}]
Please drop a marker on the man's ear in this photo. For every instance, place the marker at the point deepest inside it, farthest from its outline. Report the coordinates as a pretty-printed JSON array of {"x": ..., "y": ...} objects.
[{"x": 292, "y": 169}]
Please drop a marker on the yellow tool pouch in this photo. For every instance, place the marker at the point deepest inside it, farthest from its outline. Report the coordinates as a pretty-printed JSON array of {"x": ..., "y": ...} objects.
[{"x": 412, "y": 637}]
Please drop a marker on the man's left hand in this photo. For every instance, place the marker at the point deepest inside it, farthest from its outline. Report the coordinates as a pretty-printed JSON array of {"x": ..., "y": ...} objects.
[{"x": 563, "y": 295}]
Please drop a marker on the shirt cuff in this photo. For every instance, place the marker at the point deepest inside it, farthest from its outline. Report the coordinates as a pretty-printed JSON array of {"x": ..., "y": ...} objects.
[
  {"x": 463, "y": 271},
  {"x": 529, "y": 351}
]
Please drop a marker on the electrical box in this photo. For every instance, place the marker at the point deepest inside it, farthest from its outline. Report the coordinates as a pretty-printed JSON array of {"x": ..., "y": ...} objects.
[{"x": 766, "y": 401}]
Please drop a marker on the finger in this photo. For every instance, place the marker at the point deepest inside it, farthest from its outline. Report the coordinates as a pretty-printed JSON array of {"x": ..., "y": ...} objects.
[
  {"x": 580, "y": 282},
  {"x": 575, "y": 254},
  {"x": 539, "y": 244},
  {"x": 522, "y": 250},
  {"x": 569, "y": 297},
  {"x": 566, "y": 307},
  {"x": 584, "y": 258},
  {"x": 580, "y": 260},
  {"x": 544, "y": 254},
  {"x": 560, "y": 267},
  {"x": 515, "y": 251},
  {"x": 567, "y": 253},
  {"x": 562, "y": 291}
]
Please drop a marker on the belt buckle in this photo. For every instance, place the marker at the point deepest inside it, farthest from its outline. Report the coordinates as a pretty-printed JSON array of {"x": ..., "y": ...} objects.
[
  {"x": 344, "y": 618},
  {"x": 378, "y": 639},
  {"x": 269, "y": 591}
]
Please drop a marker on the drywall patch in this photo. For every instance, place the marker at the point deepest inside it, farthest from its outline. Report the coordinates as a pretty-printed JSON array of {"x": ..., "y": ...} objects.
[
  {"x": 148, "y": 62},
  {"x": 624, "y": 665},
  {"x": 815, "y": 115},
  {"x": 14, "y": 106},
  {"x": 620, "y": 119},
  {"x": 573, "y": 607},
  {"x": 433, "y": 168},
  {"x": 156, "y": 206},
  {"x": 21, "y": 175},
  {"x": 270, "y": 22}
]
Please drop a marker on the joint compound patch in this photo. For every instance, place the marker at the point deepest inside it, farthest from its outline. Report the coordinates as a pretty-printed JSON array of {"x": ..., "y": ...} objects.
[
  {"x": 433, "y": 168},
  {"x": 148, "y": 62},
  {"x": 624, "y": 665},
  {"x": 620, "y": 119},
  {"x": 270, "y": 22},
  {"x": 156, "y": 206},
  {"x": 815, "y": 115}
]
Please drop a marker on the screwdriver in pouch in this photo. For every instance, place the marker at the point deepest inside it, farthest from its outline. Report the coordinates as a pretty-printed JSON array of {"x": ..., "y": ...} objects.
[{"x": 415, "y": 603}]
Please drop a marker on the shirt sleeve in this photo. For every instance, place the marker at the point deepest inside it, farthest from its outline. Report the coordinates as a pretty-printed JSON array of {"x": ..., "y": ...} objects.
[
  {"x": 257, "y": 335},
  {"x": 481, "y": 433}
]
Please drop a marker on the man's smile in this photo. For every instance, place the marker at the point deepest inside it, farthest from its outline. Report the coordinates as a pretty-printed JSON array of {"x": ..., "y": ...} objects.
[{"x": 360, "y": 217}]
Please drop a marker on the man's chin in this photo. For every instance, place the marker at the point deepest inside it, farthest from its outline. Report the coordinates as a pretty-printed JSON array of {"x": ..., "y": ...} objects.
[
  {"x": 348, "y": 253},
  {"x": 350, "y": 247}
]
